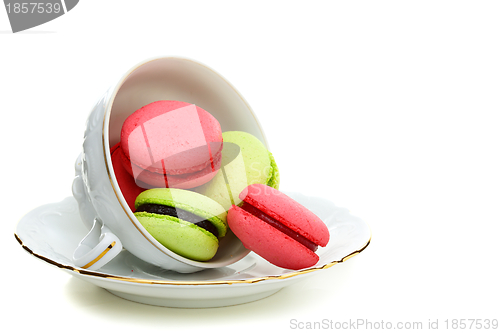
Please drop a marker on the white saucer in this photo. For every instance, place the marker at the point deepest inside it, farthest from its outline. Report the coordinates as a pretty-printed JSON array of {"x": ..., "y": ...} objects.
[{"x": 52, "y": 232}]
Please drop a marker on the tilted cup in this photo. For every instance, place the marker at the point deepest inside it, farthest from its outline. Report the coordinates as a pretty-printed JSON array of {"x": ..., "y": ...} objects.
[{"x": 102, "y": 206}]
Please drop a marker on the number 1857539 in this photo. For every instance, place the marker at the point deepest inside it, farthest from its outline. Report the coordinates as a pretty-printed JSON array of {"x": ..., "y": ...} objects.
[{"x": 33, "y": 7}]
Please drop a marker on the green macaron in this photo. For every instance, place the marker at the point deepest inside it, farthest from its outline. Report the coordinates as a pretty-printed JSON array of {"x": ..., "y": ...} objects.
[
  {"x": 187, "y": 223},
  {"x": 245, "y": 161}
]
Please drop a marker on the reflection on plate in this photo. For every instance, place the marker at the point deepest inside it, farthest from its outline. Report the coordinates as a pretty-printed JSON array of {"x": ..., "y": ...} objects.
[{"x": 52, "y": 232}]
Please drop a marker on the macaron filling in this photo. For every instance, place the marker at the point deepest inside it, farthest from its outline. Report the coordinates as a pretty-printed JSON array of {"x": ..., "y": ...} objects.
[
  {"x": 180, "y": 214},
  {"x": 278, "y": 225}
]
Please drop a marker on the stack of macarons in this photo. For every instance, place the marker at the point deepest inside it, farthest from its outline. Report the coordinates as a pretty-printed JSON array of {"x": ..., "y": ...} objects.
[{"x": 187, "y": 183}]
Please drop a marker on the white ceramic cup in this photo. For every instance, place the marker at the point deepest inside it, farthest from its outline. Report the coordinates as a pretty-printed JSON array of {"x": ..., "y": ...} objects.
[{"x": 102, "y": 207}]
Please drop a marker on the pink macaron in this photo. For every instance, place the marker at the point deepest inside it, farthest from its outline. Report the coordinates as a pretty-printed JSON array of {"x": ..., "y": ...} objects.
[
  {"x": 171, "y": 144},
  {"x": 277, "y": 228}
]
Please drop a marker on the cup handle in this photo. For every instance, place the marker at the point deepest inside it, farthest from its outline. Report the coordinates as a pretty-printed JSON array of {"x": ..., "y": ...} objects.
[{"x": 97, "y": 248}]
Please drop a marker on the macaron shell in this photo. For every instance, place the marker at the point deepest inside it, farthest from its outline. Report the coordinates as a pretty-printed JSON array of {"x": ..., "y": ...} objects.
[
  {"x": 268, "y": 242},
  {"x": 184, "y": 238},
  {"x": 190, "y": 201},
  {"x": 126, "y": 182},
  {"x": 150, "y": 179},
  {"x": 287, "y": 211},
  {"x": 163, "y": 130},
  {"x": 274, "y": 181},
  {"x": 254, "y": 164},
  {"x": 255, "y": 155}
]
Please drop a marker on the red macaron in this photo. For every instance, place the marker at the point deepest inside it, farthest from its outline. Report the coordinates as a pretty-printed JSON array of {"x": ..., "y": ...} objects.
[
  {"x": 277, "y": 228},
  {"x": 171, "y": 144},
  {"x": 126, "y": 182}
]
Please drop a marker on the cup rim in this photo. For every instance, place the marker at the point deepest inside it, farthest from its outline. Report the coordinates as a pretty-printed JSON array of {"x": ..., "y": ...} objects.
[{"x": 113, "y": 181}]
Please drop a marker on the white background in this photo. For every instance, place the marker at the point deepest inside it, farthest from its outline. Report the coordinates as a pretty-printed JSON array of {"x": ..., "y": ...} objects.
[{"x": 387, "y": 108}]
